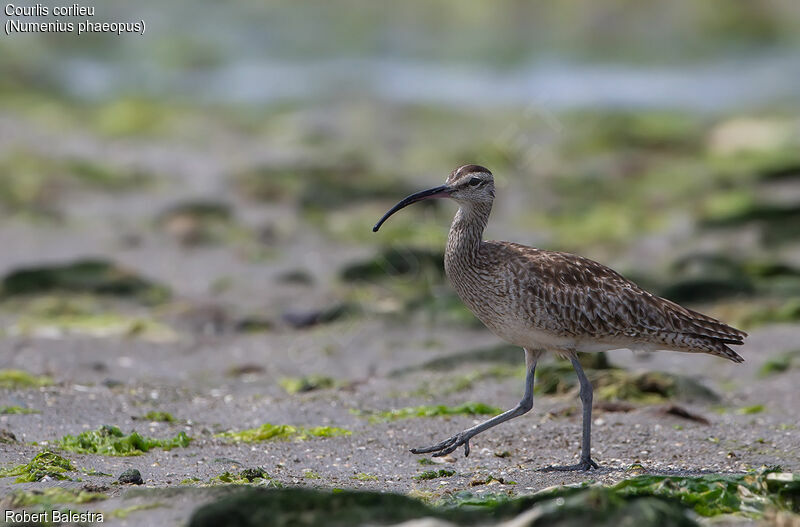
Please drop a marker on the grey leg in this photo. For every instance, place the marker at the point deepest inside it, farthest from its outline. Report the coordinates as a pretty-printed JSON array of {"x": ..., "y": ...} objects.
[
  {"x": 462, "y": 438},
  {"x": 586, "y": 462}
]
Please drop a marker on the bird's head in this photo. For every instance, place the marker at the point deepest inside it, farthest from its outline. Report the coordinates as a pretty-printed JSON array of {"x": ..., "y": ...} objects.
[{"x": 468, "y": 184}]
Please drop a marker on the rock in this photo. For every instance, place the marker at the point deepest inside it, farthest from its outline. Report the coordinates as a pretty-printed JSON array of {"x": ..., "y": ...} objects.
[
  {"x": 112, "y": 383},
  {"x": 131, "y": 477},
  {"x": 91, "y": 276},
  {"x": 679, "y": 411},
  {"x": 306, "y": 319},
  {"x": 90, "y": 487}
]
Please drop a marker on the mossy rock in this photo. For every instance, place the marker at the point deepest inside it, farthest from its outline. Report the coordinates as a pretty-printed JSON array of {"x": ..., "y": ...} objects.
[
  {"x": 295, "y": 507},
  {"x": 616, "y": 384},
  {"x": 788, "y": 171},
  {"x": 706, "y": 289},
  {"x": 500, "y": 354},
  {"x": 395, "y": 262},
  {"x": 94, "y": 276},
  {"x": 561, "y": 507},
  {"x": 778, "y": 222}
]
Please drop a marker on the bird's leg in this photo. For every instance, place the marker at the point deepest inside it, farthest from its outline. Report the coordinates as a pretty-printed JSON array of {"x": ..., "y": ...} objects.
[
  {"x": 586, "y": 462},
  {"x": 462, "y": 438}
]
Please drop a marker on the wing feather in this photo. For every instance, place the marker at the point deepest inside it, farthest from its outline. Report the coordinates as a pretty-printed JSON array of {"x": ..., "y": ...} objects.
[{"x": 583, "y": 298}]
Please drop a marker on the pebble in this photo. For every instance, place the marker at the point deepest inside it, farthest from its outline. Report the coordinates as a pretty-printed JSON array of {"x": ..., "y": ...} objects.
[{"x": 131, "y": 477}]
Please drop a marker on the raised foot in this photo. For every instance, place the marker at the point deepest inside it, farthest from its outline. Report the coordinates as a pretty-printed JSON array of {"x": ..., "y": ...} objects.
[
  {"x": 583, "y": 465},
  {"x": 446, "y": 446}
]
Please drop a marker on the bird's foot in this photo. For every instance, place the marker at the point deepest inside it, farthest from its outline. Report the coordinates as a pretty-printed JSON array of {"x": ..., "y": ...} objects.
[
  {"x": 446, "y": 446},
  {"x": 584, "y": 465}
]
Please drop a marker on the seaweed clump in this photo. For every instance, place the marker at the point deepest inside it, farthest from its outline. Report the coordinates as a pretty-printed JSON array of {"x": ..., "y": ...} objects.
[
  {"x": 270, "y": 432},
  {"x": 14, "y": 379},
  {"x": 95, "y": 276},
  {"x": 110, "y": 441},
  {"x": 470, "y": 408},
  {"x": 44, "y": 464}
]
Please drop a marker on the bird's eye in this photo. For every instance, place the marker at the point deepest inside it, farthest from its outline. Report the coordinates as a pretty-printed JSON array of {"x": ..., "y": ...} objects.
[{"x": 474, "y": 182}]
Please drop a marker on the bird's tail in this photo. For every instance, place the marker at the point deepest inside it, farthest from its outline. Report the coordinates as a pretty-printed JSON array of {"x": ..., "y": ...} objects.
[
  {"x": 697, "y": 332},
  {"x": 709, "y": 335}
]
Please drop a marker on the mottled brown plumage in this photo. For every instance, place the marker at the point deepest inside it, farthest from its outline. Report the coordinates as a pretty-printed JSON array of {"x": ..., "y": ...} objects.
[{"x": 553, "y": 301}]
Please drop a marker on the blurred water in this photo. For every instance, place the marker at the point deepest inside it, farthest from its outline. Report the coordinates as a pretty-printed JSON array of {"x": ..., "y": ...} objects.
[
  {"x": 648, "y": 55},
  {"x": 558, "y": 84}
]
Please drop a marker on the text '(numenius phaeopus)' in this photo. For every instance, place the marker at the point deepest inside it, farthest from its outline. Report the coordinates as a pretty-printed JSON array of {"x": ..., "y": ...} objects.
[{"x": 60, "y": 19}]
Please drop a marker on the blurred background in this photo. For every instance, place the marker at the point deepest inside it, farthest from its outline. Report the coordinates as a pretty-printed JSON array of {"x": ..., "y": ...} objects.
[
  {"x": 187, "y": 213},
  {"x": 236, "y": 148}
]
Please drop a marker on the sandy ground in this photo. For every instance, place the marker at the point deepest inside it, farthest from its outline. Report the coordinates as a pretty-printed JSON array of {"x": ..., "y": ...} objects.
[{"x": 115, "y": 380}]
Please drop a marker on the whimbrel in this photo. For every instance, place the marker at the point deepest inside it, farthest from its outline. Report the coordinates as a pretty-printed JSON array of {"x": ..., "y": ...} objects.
[{"x": 547, "y": 301}]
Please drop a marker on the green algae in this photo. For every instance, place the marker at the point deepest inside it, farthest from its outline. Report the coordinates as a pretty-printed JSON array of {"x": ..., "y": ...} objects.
[
  {"x": 780, "y": 364},
  {"x": 161, "y": 417},
  {"x": 270, "y": 432},
  {"x": 110, "y": 441},
  {"x": 489, "y": 480},
  {"x": 712, "y": 495},
  {"x": 17, "y": 410},
  {"x": 363, "y": 476},
  {"x": 124, "y": 512},
  {"x": 786, "y": 311},
  {"x": 62, "y": 313},
  {"x": 27, "y": 180},
  {"x": 16, "y": 379},
  {"x": 750, "y": 410},
  {"x": 293, "y": 385},
  {"x": 51, "y": 496},
  {"x": 247, "y": 476},
  {"x": 469, "y": 408},
  {"x": 45, "y": 463},
  {"x": 434, "y": 474},
  {"x": 749, "y": 495},
  {"x": 93, "y": 325}
]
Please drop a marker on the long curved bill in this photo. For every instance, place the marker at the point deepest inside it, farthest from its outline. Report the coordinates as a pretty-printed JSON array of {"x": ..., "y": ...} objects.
[{"x": 437, "y": 192}]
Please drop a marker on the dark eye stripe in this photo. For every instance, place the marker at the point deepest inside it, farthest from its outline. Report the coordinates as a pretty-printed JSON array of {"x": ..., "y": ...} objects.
[{"x": 474, "y": 182}]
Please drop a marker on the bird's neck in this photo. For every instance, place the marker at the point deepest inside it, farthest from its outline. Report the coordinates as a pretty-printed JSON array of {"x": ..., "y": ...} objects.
[{"x": 466, "y": 232}]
